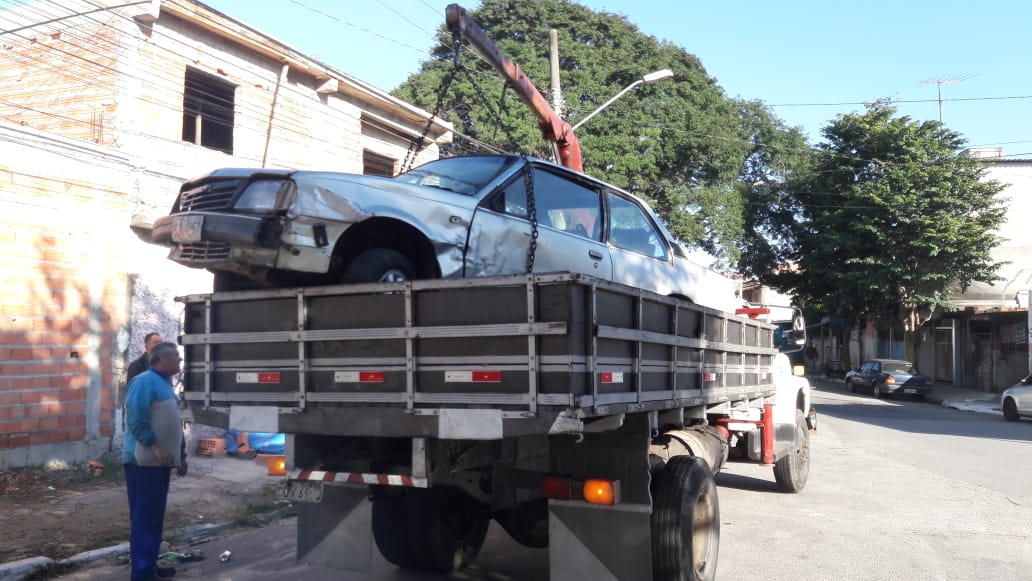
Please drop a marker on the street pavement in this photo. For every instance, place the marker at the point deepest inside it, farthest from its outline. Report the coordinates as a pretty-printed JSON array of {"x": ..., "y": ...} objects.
[{"x": 251, "y": 475}]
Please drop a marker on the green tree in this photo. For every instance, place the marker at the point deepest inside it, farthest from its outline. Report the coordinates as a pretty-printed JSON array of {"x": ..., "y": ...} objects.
[
  {"x": 681, "y": 145},
  {"x": 893, "y": 219}
]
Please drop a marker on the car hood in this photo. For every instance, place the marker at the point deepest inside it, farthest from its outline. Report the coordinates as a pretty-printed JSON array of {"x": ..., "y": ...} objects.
[{"x": 352, "y": 195}]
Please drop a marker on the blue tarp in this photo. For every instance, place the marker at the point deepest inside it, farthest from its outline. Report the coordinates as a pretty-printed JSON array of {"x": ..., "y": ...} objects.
[{"x": 260, "y": 442}]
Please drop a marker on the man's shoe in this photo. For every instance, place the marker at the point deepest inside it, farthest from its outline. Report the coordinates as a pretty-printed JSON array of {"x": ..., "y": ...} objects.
[{"x": 165, "y": 572}]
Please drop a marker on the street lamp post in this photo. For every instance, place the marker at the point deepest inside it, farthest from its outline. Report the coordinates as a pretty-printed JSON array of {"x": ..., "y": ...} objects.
[{"x": 649, "y": 79}]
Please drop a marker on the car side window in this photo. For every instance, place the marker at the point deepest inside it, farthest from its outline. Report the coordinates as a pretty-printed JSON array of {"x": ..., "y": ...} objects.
[
  {"x": 869, "y": 366},
  {"x": 631, "y": 229},
  {"x": 560, "y": 203}
]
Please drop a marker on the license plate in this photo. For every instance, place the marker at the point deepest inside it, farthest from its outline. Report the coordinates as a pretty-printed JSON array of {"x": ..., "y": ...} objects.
[
  {"x": 187, "y": 228},
  {"x": 909, "y": 390},
  {"x": 300, "y": 491}
]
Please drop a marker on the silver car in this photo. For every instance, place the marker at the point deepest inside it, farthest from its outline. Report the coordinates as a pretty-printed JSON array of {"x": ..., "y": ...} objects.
[
  {"x": 453, "y": 217},
  {"x": 1016, "y": 400}
]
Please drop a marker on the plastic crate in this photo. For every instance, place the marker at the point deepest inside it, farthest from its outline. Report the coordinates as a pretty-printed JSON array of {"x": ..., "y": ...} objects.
[{"x": 211, "y": 447}]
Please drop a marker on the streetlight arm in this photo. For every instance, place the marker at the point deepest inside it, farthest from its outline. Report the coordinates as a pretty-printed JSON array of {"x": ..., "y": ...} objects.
[{"x": 607, "y": 103}]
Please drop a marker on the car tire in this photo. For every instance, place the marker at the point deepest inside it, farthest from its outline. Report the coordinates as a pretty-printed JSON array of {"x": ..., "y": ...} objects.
[
  {"x": 876, "y": 390},
  {"x": 379, "y": 265},
  {"x": 1010, "y": 410}
]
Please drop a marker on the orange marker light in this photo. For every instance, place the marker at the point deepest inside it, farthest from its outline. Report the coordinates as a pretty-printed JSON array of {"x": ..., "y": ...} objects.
[
  {"x": 890, "y": 379},
  {"x": 276, "y": 466},
  {"x": 603, "y": 492}
]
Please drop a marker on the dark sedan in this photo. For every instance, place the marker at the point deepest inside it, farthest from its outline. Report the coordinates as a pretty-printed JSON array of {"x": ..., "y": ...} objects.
[{"x": 888, "y": 377}]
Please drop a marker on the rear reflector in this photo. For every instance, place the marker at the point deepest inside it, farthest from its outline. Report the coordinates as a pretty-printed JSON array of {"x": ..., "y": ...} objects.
[
  {"x": 709, "y": 376},
  {"x": 358, "y": 377},
  {"x": 262, "y": 377},
  {"x": 611, "y": 377},
  {"x": 557, "y": 488},
  {"x": 472, "y": 376}
]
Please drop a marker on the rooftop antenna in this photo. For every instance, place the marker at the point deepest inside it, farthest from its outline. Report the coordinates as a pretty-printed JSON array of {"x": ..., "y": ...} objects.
[{"x": 946, "y": 79}]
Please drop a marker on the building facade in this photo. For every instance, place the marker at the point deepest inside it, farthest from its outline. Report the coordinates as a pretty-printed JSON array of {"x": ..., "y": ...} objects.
[{"x": 105, "y": 109}]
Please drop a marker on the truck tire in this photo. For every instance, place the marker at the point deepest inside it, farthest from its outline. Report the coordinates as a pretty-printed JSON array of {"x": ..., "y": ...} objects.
[
  {"x": 685, "y": 521},
  {"x": 437, "y": 530},
  {"x": 792, "y": 470},
  {"x": 379, "y": 265}
]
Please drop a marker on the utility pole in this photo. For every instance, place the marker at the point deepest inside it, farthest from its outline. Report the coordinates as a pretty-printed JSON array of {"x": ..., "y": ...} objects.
[{"x": 938, "y": 85}]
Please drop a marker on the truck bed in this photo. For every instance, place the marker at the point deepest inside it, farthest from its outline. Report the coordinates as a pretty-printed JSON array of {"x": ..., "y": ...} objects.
[{"x": 510, "y": 355}]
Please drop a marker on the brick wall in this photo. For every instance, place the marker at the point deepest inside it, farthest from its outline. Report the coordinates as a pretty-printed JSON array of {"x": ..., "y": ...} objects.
[
  {"x": 61, "y": 81},
  {"x": 62, "y": 296}
]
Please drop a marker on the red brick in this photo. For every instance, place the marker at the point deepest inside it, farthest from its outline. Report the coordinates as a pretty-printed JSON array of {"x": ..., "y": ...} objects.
[
  {"x": 71, "y": 421},
  {"x": 9, "y": 398},
  {"x": 38, "y": 382},
  {"x": 28, "y": 425},
  {"x": 5, "y": 412},
  {"x": 9, "y": 427},
  {"x": 80, "y": 433},
  {"x": 18, "y": 440},
  {"x": 69, "y": 395},
  {"x": 38, "y": 438},
  {"x": 79, "y": 381},
  {"x": 49, "y": 423},
  {"x": 31, "y": 397},
  {"x": 36, "y": 411},
  {"x": 18, "y": 411},
  {"x": 21, "y": 383},
  {"x": 57, "y": 436},
  {"x": 75, "y": 408}
]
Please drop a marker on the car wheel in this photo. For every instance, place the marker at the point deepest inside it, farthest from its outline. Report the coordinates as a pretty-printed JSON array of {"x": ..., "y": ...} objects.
[
  {"x": 876, "y": 390},
  {"x": 379, "y": 265},
  {"x": 1010, "y": 411}
]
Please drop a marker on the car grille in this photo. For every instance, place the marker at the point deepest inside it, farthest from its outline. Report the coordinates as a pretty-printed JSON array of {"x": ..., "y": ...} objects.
[
  {"x": 211, "y": 196},
  {"x": 202, "y": 251}
]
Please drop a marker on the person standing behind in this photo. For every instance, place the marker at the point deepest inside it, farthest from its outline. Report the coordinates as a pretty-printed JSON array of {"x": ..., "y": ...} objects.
[
  {"x": 142, "y": 363},
  {"x": 153, "y": 446}
]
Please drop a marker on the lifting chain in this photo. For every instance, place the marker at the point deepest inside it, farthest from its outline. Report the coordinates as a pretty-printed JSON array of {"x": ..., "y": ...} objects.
[
  {"x": 528, "y": 184},
  {"x": 417, "y": 144}
]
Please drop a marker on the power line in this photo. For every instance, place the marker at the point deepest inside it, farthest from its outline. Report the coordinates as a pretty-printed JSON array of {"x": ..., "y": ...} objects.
[{"x": 844, "y": 103}]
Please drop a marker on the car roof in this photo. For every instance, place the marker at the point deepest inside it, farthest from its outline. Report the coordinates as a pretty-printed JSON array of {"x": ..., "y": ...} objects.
[{"x": 891, "y": 361}]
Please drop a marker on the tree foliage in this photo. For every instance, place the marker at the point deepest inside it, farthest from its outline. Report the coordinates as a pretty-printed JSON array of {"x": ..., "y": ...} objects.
[
  {"x": 891, "y": 220},
  {"x": 682, "y": 145}
]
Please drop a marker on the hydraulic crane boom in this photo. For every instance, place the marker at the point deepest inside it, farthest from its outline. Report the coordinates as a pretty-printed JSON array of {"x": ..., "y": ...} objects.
[{"x": 554, "y": 128}]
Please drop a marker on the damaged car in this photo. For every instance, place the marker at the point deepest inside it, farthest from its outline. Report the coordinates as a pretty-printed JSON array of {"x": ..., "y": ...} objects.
[{"x": 455, "y": 217}]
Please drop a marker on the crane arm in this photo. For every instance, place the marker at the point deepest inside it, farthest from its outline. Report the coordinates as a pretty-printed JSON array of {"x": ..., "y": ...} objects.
[{"x": 553, "y": 127}]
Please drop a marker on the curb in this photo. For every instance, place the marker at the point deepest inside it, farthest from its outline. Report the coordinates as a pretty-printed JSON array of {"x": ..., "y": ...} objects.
[{"x": 17, "y": 570}]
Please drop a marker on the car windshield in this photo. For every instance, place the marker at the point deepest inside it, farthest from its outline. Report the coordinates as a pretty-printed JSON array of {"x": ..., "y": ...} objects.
[
  {"x": 899, "y": 368},
  {"x": 464, "y": 175}
]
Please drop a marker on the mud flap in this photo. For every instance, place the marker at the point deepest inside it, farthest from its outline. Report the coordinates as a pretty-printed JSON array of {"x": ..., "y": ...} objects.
[
  {"x": 337, "y": 532},
  {"x": 603, "y": 544}
]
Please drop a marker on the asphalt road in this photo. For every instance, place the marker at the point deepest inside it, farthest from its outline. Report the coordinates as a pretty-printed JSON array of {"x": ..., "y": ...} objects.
[{"x": 898, "y": 490}]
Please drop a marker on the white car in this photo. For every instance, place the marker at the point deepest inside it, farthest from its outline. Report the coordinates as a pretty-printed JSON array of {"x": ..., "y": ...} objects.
[
  {"x": 451, "y": 218},
  {"x": 1016, "y": 400}
]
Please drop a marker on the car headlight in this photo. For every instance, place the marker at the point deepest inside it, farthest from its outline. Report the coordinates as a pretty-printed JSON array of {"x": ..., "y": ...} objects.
[{"x": 262, "y": 195}]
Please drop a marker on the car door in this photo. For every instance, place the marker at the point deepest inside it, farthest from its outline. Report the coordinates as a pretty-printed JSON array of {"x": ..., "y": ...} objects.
[
  {"x": 640, "y": 253},
  {"x": 1023, "y": 397},
  {"x": 569, "y": 222}
]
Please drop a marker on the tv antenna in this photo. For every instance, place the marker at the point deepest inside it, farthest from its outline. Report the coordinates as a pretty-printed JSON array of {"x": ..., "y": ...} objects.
[{"x": 938, "y": 81}]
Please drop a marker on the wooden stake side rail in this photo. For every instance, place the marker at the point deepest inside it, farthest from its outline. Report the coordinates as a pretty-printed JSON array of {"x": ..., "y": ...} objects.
[{"x": 516, "y": 343}]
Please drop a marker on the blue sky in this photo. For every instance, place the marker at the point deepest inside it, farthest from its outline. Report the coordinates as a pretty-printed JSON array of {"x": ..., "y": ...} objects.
[{"x": 787, "y": 54}]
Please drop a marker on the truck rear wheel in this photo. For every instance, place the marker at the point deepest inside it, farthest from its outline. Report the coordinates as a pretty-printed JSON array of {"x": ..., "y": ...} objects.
[
  {"x": 685, "y": 521},
  {"x": 438, "y": 530},
  {"x": 792, "y": 470}
]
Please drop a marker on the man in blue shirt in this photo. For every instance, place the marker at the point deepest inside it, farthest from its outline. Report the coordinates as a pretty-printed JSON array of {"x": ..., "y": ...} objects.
[{"x": 153, "y": 446}]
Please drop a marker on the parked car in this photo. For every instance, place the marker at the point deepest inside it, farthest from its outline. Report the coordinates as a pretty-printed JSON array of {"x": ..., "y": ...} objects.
[
  {"x": 888, "y": 377},
  {"x": 454, "y": 217},
  {"x": 1016, "y": 400}
]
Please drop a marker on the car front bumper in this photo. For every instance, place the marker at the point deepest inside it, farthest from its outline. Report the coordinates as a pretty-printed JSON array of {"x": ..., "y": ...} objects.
[{"x": 220, "y": 241}]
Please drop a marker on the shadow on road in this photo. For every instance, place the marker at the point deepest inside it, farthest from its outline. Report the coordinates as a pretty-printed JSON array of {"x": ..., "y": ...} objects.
[
  {"x": 743, "y": 482},
  {"x": 907, "y": 415}
]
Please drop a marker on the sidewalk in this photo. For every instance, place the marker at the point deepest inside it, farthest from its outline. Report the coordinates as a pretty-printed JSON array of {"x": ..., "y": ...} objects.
[
  {"x": 240, "y": 476},
  {"x": 951, "y": 396}
]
